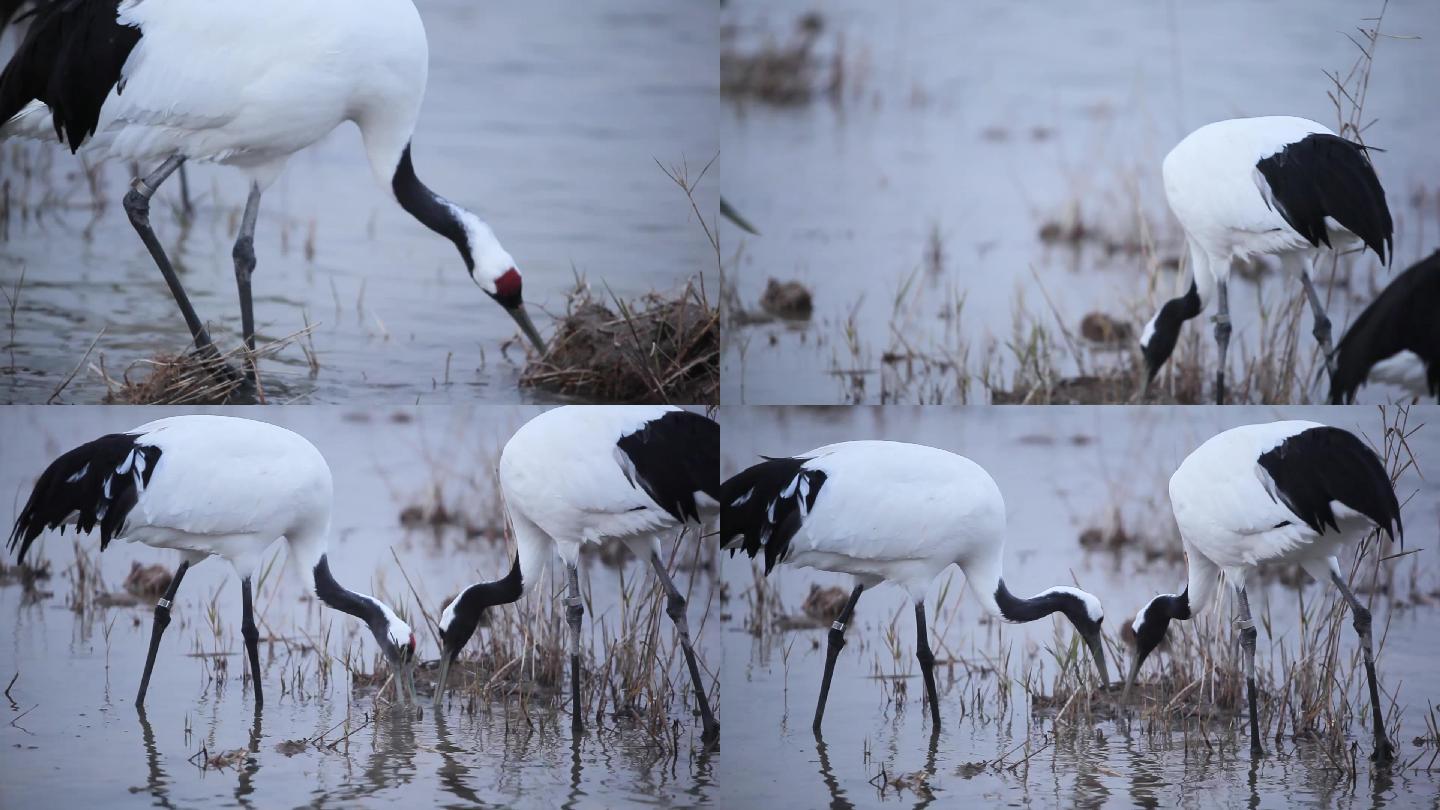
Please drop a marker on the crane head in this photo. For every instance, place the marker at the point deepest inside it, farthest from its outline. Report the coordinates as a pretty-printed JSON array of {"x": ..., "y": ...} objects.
[
  {"x": 1149, "y": 627},
  {"x": 465, "y": 612},
  {"x": 397, "y": 644},
  {"x": 493, "y": 269}
]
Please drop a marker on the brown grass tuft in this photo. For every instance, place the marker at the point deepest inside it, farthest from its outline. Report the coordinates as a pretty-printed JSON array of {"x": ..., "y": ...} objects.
[{"x": 659, "y": 349}]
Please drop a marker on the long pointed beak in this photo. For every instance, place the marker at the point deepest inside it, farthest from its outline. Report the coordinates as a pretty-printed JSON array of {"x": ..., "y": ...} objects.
[
  {"x": 1130, "y": 679},
  {"x": 522, "y": 318},
  {"x": 1097, "y": 649},
  {"x": 410, "y": 684},
  {"x": 440, "y": 679}
]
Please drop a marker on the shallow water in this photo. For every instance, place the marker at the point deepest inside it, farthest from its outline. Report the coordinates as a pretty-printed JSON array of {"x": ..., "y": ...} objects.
[
  {"x": 549, "y": 131},
  {"x": 1061, "y": 470},
  {"x": 71, "y": 720},
  {"x": 982, "y": 121}
]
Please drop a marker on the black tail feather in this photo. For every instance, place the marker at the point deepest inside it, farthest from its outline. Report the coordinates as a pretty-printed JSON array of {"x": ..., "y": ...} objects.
[
  {"x": 71, "y": 58},
  {"x": 674, "y": 457},
  {"x": 99, "y": 483},
  {"x": 765, "y": 506},
  {"x": 1323, "y": 465},
  {"x": 1323, "y": 176}
]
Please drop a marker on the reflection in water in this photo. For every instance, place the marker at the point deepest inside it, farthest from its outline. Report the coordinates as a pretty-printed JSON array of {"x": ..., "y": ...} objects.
[
  {"x": 251, "y": 766},
  {"x": 837, "y": 796},
  {"x": 572, "y": 800},
  {"x": 391, "y": 762},
  {"x": 1254, "y": 790},
  {"x": 452, "y": 773},
  {"x": 928, "y": 796},
  {"x": 156, "y": 780},
  {"x": 922, "y": 787}
]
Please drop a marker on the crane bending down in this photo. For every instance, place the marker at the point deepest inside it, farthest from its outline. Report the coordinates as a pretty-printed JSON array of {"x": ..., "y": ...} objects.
[
  {"x": 587, "y": 473},
  {"x": 1396, "y": 339},
  {"x": 209, "y": 485},
  {"x": 1283, "y": 492},
  {"x": 244, "y": 83},
  {"x": 890, "y": 511},
  {"x": 1251, "y": 186}
]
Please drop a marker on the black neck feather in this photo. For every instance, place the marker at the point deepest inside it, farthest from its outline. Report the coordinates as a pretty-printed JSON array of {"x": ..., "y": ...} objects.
[
  {"x": 1015, "y": 609},
  {"x": 336, "y": 596},
  {"x": 488, "y": 594},
  {"x": 1168, "y": 321},
  {"x": 473, "y": 603},
  {"x": 429, "y": 208}
]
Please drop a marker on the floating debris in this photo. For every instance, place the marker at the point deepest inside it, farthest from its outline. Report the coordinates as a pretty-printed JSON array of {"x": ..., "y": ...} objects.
[{"x": 787, "y": 299}]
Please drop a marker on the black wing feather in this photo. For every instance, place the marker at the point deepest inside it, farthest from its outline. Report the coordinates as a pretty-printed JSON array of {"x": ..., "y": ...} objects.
[
  {"x": 765, "y": 506},
  {"x": 71, "y": 58},
  {"x": 674, "y": 457},
  {"x": 96, "y": 482},
  {"x": 1405, "y": 317},
  {"x": 1325, "y": 175},
  {"x": 1322, "y": 465}
]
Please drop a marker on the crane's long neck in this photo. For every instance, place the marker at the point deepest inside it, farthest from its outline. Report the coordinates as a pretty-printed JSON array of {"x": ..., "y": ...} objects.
[
  {"x": 433, "y": 211},
  {"x": 368, "y": 609},
  {"x": 488, "y": 594},
  {"x": 1016, "y": 609}
]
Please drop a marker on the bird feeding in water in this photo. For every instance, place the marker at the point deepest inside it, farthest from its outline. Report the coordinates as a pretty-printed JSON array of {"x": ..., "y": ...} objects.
[
  {"x": 210, "y": 485},
  {"x": 1282, "y": 492},
  {"x": 1253, "y": 186},
  {"x": 584, "y": 474},
  {"x": 888, "y": 511},
  {"x": 247, "y": 85},
  {"x": 1396, "y": 340}
]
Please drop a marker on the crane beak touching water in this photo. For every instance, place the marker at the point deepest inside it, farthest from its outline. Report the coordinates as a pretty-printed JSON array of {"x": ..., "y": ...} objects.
[
  {"x": 440, "y": 678},
  {"x": 522, "y": 319}
]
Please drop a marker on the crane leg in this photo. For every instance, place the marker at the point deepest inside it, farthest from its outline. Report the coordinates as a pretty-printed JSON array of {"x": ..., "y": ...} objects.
[
  {"x": 1222, "y": 337},
  {"x": 162, "y": 620},
  {"x": 927, "y": 663},
  {"x": 1247, "y": 645},
  {"x": 252, "y": 638},
  {"x": 675, "y": 609},
  {"x": 1384, "y": 751},
  {"x": 244, "y": 254},
  {"x": 137, "y": 206},
  {"x": 1322, "y": 321},
  {"x": 837, "y": 641},
  {"x": 187, "y": 208},
  {"x": 574, "y": 612}
]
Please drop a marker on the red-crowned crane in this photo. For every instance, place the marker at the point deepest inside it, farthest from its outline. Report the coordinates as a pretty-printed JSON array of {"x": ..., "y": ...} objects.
[
  {"x": 588, "y": 473},
  {"x": 888, "y": 511},
  {"x": 1252, "y": 186},
  {"x": 209, "y": 485},
  {"x": 1396, "y": 339},
  {"x": 1281, "y": 492},
  {"x": 243, "y": 84}
]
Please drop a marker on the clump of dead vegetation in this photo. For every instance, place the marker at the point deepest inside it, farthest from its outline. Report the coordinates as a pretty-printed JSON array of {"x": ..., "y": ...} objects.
[
  {"x": 197, "y": 376},
  {"x": 659, "y": 349}
]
